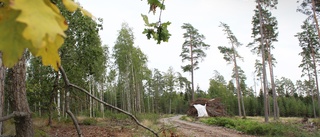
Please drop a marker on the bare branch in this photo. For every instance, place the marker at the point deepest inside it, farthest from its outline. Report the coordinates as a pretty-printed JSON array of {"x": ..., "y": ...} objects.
[
  {"x": 12, "y": 115},
  {"x": 67, "y": 84},
  {"x": 107, "y": 104}
]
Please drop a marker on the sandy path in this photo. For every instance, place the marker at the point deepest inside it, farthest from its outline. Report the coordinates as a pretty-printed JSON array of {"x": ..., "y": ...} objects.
[{"x": 190, "y": 129}]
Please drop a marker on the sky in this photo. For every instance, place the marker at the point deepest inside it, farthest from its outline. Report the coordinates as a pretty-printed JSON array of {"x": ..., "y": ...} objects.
[{"x": 204, "y": 15}]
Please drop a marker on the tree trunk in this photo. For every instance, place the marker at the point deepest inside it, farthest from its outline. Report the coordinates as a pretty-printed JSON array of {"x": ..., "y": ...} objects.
[
  {"x": 169, "y": 106},
  {"x": 312, "y": 94},
  {"x": 58, "y": 105},
  {"x": 64, "y": 104},
  {"x": 316, "y": 76},
  {"x": 101, "y": 98},
  {"x": 240, "y": 99},
  {"x": 276, "y": 113},
  {"x": 52, "y": 96},
  {"x": 317, "y": 26},
  {"x": 18, "y": 99},
  {"x": 90, "y": 98},
  {"x": 192, "y": 84},
  {"x": 2, "y": 77},
  {"x": 266, "y": 116},
  {"x": 127, "y": 90}
]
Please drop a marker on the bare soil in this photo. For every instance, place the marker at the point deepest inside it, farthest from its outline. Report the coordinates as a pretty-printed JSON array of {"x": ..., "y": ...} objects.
[
  {"x": 191, "y": 129},
  {"x": 89, "y": 131},
  {"x": 106, "y": 128}
]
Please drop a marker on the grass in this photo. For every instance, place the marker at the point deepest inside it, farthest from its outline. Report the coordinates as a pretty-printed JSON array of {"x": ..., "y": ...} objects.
[
  {"x": 255, "y": 126},
  {"x": 186, "y": 118}
]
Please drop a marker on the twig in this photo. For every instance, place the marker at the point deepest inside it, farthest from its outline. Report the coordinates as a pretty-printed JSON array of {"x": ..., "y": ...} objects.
[
  {"x": 161, "y": 12},
  {"x": 12, "y": 115},
  {"x": 107, "y": 104}
]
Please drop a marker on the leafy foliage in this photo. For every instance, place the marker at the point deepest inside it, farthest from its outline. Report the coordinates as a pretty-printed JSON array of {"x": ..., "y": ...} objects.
[
  {"x": 131, "y": 64},
  {"x": 268, "y": 3},
  {"x": 37, "y": 26},
  {"x": 81, "y": 45},
  {"x": 158, "y": 31},
  {"x": 308, "y": 41},
  {"x": 269, "y": 29},
  {"x": 193, "y": 47},
  {"x": 154, "y": 4}
]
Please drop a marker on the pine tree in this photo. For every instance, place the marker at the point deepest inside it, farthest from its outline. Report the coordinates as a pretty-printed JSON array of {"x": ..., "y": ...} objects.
[
  {"x": 193, "y": 51},
  {"x": 309, "y": 42},
  {"x": 231, "y": 55},
  {"x": 260, "y": 18}
]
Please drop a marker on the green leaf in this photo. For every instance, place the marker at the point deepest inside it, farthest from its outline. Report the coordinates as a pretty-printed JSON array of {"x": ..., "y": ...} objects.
[{"x": 145, "y": 19}]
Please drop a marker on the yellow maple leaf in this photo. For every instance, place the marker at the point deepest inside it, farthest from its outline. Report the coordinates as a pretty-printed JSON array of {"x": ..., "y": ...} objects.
[
  {"x": 86, "y": 13},
  {"x": 72, "y": 6},
  {"x": 49, "y": 54},
  {"x": 63, "y": 24},
  {"x": 41, "y": 21},
  {"x": 12, "y": 43}
]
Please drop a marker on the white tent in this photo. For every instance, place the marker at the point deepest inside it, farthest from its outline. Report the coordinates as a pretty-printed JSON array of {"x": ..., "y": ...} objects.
[{"x": 202, "y": 112}]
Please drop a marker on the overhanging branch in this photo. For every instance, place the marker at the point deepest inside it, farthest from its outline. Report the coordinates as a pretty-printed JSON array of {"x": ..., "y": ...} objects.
[{"x": 65, "y": 78}]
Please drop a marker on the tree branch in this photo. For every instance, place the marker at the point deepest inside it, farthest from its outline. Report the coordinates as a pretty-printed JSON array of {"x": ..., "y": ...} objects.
[
  {"x": 12, "y": 115},
  {"x": 65, "y": 78},
  {"x": 67, "y": 84}
]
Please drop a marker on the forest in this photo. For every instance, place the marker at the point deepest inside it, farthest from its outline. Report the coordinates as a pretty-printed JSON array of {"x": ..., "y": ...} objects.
[{"x": 65, "y": 71}]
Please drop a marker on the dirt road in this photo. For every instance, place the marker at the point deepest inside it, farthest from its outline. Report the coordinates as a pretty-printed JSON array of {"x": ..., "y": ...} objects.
[{"x": 190, "y": 129}]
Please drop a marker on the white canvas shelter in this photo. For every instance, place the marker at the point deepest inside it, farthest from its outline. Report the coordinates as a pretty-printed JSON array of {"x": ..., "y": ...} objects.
[{"x": 201, "y": 109}]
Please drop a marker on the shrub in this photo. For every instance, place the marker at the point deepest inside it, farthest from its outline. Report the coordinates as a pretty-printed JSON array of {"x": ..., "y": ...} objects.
[
  {"x": 186, "y": 118},
  {"x": 90, "y": 121},
  {"x": 148, "y": 116},
  {"x": 225, "y": 122},
  {"x": 250, "y": 127}
]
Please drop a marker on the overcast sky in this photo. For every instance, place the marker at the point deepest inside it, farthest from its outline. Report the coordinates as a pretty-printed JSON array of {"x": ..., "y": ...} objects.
[{"x": 204, "y": 15}]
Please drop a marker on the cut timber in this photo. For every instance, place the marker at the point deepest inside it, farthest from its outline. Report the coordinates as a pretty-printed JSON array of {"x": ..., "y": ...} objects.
[{"x": 214, "y": 107}]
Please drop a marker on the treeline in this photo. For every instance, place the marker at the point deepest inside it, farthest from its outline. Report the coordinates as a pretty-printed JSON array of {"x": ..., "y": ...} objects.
[{"x": 292, "y": 101}]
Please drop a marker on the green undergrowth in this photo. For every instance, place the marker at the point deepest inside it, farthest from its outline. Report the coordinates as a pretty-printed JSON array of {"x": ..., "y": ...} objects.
[
  {"x": 261, "y": 129},
  {"x": 90, "y": 121},
  {"x": 186, "y": 118}
]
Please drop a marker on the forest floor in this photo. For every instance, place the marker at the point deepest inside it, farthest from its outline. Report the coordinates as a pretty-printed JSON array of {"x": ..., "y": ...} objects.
[
  {"x": 104, "y": 128},
  {"x": 171, "y": 126},
  {"x": 108, "y": 127}
]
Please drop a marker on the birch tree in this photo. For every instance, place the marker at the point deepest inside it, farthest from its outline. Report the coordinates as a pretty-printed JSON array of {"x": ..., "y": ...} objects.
[{"x": 131, "y": 65}]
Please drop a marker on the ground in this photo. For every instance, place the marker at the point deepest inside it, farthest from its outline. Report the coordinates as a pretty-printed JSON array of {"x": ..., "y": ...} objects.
[
  {"x": 125, "y": 128},
  {"x": 104, "y": 128},
  {"x": 90, "y": 131}
]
